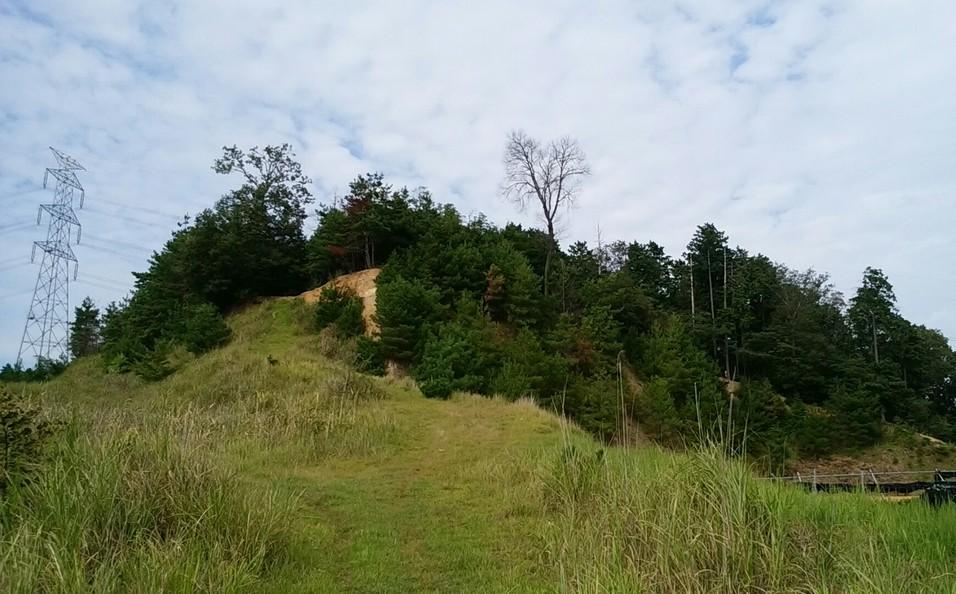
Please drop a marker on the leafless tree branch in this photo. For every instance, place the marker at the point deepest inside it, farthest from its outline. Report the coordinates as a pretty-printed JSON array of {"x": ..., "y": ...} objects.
[{"x": 551, "y": 175}]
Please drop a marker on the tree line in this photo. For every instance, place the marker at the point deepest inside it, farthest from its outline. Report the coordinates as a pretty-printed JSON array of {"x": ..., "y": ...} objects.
[{"x": 611, "y": 335}]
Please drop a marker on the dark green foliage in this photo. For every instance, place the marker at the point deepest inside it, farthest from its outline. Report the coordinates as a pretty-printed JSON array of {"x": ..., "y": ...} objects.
[
  {"x": 770, "y": 360},
  {"x": 44, "y": 370},
  {"x": 511, "y": 288},
  {"x": 368, "y": 356},
  {"x": 85, "y": 330},
  {"x": 657, "y": 412},
  {"x": 652, "y": 270},
  {"x": 24, "y": 434},
  {"x": 525, "y": 368},
  {"x": 250, "y": 244},
  {"x": 763, "y": 424},
  {"x": 205, "y": 329},
  {"x": 856, "y": 418},
  {"x": 404, "y": 308},
  {"x": 456, "y": 359},
  {"x": 341, "y": 309},
  {"x": 153, "y": 365}
]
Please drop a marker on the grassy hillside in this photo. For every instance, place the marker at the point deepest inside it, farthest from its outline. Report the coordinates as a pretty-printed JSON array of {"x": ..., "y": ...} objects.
[{"x": 266, "y": 466}]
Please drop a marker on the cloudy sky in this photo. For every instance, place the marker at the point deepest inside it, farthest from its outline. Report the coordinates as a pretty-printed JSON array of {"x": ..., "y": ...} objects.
[{"x": 822, "y": 134}]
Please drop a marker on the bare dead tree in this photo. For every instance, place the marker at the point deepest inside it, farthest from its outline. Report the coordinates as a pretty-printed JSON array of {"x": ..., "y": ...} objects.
[{"x": 549, "y": 175}]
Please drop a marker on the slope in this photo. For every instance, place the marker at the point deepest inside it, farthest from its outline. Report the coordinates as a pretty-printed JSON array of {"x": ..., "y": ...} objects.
[{"x": 268, "y": 466}]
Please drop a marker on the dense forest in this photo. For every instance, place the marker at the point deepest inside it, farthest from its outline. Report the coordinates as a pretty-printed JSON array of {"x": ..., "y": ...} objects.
[{"x": 615, "y": 336}]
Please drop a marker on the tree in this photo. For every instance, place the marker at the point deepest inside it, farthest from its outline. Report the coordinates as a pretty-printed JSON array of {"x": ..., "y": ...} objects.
[
  {"x": 251, "y": 243},
  {"x": 549, "y": 175},
  {"x": 652, "y": 269},
  {"x": 403, "y": 308},
  {"x": 85, "y": 330},
  {"x": 873, "y": 316},
  {"x": 366, "y": 207}
]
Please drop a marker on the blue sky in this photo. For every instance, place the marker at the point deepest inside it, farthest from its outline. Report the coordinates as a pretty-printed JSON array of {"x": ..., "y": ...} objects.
[{"x": 819, "y": 133}]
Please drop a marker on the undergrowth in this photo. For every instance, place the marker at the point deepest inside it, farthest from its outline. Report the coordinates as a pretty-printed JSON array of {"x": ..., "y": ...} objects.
[
  {"x": 653, "y": 521},
  {"x": 112, "y": 510}
]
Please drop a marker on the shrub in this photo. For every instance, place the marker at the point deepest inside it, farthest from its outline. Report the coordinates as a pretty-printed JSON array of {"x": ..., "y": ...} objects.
[
  {"x": 452, "y": 361},
  {"x": 340, "y": 309},
  {"x": 205, "y": 329},
  {"x": 45, "y": 369},
  {"x": 403, "y": 310},
  {"x": 368, "y": 356},
  {"x": 23, "y": 438},
  {"x": 154, "y": 365}
]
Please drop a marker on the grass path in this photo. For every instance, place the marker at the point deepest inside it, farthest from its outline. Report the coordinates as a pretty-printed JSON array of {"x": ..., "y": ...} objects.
[{"x": 442, "y": 513}]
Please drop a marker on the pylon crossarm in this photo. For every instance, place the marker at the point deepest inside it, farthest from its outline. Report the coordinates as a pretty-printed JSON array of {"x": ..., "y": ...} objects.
[
  {"x": 67, "y": 177},
  {"x": 66, "y": 161}
]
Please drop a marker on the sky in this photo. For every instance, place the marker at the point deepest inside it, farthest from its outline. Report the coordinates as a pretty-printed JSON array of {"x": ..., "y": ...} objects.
[{"x": 821, "y": 134}]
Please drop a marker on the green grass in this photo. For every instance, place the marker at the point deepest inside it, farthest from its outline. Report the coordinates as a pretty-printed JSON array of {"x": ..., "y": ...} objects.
[{"x": 237, "y": 475}]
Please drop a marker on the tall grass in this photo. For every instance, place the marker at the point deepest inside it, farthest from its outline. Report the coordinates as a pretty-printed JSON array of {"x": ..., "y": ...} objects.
[
  {"x": 167, "y": 486},
  {"x": 138, "y": 511},
  {"x": 658, "y": 522}
]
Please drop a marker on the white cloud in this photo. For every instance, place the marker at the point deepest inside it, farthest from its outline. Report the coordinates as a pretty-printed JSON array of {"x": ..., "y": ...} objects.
[{"x": 819, "y": 133}]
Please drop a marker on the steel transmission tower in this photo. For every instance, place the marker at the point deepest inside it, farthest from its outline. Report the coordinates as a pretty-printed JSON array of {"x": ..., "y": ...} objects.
[{"x": 47, "y": 331}]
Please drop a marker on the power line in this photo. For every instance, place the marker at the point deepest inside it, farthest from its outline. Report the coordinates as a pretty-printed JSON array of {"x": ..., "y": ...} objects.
[
  {"x": 7, "y": 229},
  {"x": 124, "y": 256},
  {"x": 140, "y": 208},
  {"x": 15, "y": 294},
  {"x": 20, "y": 193},
  {"x": 112, "y": 284},
  {"x": 102, "y": 286},
  {"x": 125, "y": 218},
  {"x": 103, "y": 278},
  {"x": 9, "y": 260},
  {"x": 117, "y": 242},
  {"x": 11, "y": 267}
]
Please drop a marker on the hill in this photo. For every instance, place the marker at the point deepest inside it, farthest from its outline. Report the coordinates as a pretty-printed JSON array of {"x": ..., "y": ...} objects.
[
  {"x": 463, "y": 305},
  {"x": 269, "y": 466}
]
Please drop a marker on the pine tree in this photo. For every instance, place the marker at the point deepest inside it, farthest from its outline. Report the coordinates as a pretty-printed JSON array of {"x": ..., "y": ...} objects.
[{"x": 85, "y": 333}]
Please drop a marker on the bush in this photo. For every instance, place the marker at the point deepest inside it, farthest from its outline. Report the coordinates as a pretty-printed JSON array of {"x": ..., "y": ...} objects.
[
  {"x": 205, "y": 329},
  {"x": 154, "y": 365},
  {"x": 340, "y": 309},
  {"x": 453, "y": 361},
  {"x": 23, "y": 438},
  {"x": 368, "y": 356},
  {"x": 45, "y": 369},
  {"x": 404, "y": 308}
]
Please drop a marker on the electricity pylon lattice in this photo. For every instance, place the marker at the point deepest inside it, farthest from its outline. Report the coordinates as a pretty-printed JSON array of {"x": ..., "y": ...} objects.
[{"x": 46, "y": 334}]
